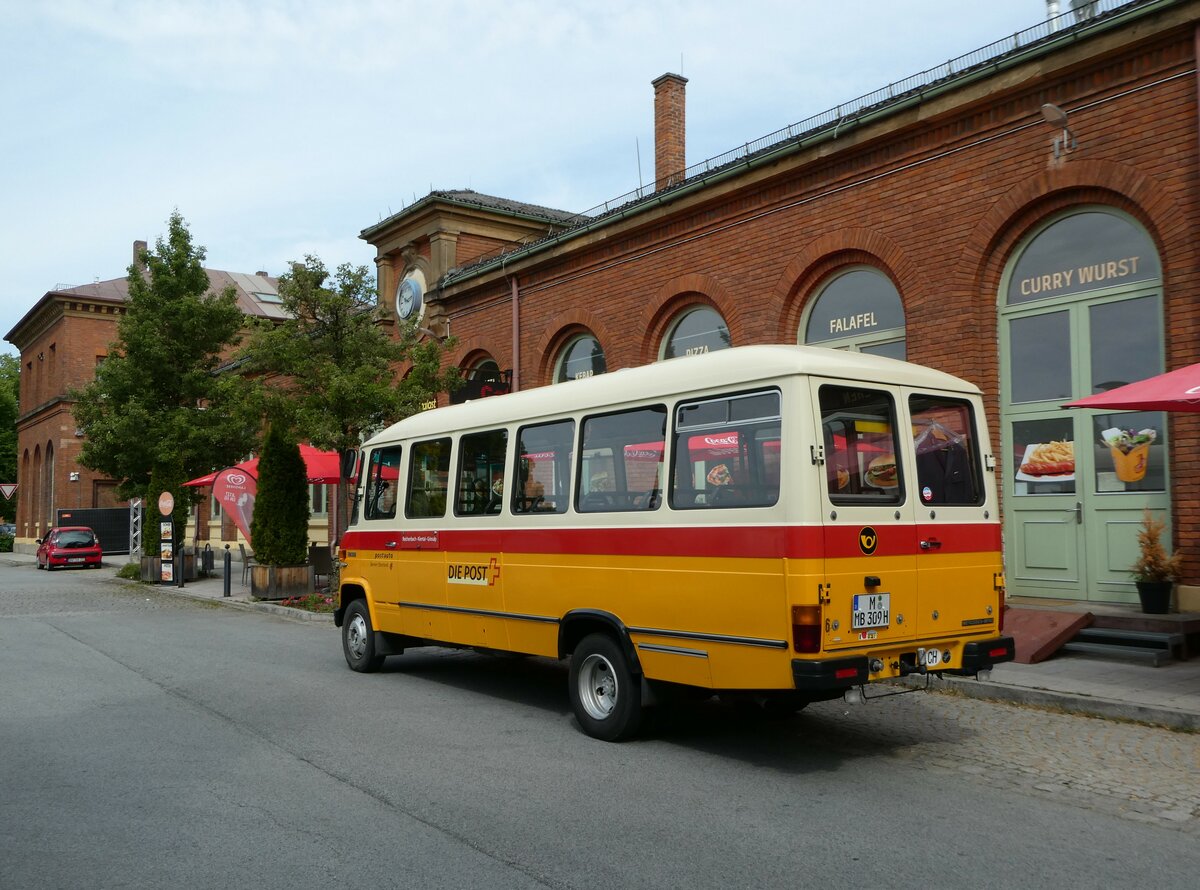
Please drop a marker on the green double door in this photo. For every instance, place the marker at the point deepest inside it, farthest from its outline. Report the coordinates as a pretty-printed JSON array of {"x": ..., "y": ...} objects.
[{"x": 1076, "y": 482}]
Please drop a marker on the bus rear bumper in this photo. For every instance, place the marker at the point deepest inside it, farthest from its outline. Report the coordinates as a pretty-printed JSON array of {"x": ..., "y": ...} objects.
[
  {"x": 830, "y": 674},
  {"x": 981, "y": 655}
]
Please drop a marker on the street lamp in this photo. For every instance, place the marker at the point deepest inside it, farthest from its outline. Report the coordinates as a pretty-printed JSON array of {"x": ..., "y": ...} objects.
[{"x": 1056, "y": 117}]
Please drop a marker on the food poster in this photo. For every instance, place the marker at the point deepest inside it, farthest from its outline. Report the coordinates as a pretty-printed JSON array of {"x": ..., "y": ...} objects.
[
  {"x": 1131, "y": 451},
  {"x": 1044, "y": 456}
]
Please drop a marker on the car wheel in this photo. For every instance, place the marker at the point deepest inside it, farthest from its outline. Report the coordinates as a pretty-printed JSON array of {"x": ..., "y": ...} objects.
[
  {"x": 358, "y": 639},
  {"x": 605, "y": 695}
]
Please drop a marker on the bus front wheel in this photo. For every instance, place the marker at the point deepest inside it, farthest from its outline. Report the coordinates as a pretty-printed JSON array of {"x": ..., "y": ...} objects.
[
  {"x": 358, "y": 639},
  {"x": 605, "y": 695}
]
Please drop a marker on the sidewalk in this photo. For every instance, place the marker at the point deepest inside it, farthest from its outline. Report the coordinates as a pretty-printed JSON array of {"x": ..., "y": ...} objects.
[{"x": 1099, "y": 687}]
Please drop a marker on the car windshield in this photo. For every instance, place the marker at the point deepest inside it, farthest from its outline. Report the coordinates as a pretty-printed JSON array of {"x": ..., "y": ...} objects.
[{"x": 75, "y": 539}]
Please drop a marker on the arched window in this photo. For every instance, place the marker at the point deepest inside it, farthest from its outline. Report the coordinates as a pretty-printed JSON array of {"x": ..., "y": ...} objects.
[
  {"x": 695, "y": 332},
  {"x": 481, "y": 379},
  {"x": 858, "y": 310},
  {"x": 583, "y": 356}
]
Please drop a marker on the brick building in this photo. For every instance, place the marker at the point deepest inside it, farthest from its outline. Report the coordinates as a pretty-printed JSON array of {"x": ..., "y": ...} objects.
[
  {"x": 1022, "y": 216},
  {"x": 62, "y": 339}
]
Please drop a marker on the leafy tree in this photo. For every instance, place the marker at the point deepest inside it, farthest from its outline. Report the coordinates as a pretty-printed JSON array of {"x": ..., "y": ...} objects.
[
  {"x": 10, "y": 386},
  {"x": 338, "y": 363},
  {"x": 158, "y": 402},
  {"x": 279, "y": 529}
]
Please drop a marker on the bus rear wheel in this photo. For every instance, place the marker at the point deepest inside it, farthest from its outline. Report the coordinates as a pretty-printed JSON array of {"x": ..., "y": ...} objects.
[
  {"x": 605, "y": 695},
  {"x": 358, "y": 639}
]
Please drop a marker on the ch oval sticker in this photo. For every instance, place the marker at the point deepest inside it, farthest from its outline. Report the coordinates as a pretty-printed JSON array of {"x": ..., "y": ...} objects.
[{"x": 867, "y": 540}]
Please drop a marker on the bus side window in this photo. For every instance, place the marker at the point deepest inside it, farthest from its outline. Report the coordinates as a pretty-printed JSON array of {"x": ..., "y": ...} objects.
[
  {"x": 481, "y": 473},
  {"x": 429, "y": 471},
  {"x": 542, "y": 478},
  {"x": 383, "y": 474},
  {"x": 726, "y": 452},
  {"x": 621, "y": 456},
  {"x": 948, "y": 465}
]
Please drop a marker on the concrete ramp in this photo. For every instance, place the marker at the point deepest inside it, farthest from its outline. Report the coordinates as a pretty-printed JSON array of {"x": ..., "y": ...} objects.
[{"x": 1039, "y": 633}]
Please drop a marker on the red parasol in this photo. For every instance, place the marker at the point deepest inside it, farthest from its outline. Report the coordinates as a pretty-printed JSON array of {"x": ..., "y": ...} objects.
[
  {"x": 1174, "y": 391},
  {"x": 323, "y": 467}
]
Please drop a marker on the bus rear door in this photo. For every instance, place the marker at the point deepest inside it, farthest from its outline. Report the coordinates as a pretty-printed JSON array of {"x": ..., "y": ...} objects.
[{"x": 870, "y": 594}]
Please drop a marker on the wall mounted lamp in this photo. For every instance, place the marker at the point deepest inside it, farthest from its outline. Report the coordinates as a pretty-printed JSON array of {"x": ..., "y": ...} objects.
[{"x": 1057, "y": 118}]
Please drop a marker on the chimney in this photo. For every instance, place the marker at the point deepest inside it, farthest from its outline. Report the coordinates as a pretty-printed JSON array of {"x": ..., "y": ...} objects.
[
  {"x": 139, "y": 248},
  {"x": 669, "y": 131}
]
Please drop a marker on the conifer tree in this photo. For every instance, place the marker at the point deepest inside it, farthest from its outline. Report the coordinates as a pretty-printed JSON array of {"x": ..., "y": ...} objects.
[{"x": 279, "y": 529}]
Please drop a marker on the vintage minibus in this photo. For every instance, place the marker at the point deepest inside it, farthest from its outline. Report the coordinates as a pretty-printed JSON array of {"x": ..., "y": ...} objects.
[{"x": 781, "y": 523}]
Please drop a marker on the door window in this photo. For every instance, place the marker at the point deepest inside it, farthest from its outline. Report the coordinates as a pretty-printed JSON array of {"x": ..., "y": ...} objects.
[
  {"x": 429, "y": 472},
  {"x": 481, "y": 473},
  {"x": 859, "y": 427},
  {"x": 1040, "y": 367},
  {"x": 948, "y": 466},
  {"x": 383, "y": 474},
  {"x": 543, "y": 474}
]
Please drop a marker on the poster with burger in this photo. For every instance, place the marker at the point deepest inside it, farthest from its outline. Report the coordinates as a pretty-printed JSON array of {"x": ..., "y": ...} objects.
[{"x": 882, "y": 472}]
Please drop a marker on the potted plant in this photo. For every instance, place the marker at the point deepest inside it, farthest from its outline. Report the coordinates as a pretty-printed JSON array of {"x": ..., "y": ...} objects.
[
  {"x": 1155, "y": 571},
  {"x": 279, "y": 529}
]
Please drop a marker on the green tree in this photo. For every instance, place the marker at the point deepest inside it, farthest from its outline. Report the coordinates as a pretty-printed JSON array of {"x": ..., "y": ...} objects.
[
  {"x": 159, "y": 402},
  {"x": 339, "y": 364},
  {"x": 279, "y": 529},
  {"x": 10, "y": 388}
]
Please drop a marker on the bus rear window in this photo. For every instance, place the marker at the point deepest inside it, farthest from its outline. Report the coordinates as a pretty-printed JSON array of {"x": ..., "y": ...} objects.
[
  {"x": 859, "y": 427},
  {"x": 948, "y": 465}
]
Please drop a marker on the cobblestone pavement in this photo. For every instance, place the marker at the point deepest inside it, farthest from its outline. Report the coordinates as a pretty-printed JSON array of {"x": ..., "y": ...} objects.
[{"x": 1143, "y": 773}]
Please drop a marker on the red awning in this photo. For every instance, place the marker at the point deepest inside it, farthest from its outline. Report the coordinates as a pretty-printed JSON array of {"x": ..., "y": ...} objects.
[{"x": 1174, "y": 391}]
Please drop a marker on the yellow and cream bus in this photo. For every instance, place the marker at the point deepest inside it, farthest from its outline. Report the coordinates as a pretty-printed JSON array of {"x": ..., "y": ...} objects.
[{"x": 785, "y": 523}]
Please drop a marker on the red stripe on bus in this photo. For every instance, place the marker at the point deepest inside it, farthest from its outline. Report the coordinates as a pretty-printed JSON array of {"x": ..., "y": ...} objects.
[{"x": 752, "y": 542}]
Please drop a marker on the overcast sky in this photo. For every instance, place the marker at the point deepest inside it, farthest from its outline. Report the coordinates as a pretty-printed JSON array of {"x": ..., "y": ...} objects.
[{"x": 281, "y": 128}]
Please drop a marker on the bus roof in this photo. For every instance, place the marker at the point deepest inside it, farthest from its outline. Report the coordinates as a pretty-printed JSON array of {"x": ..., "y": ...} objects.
[{"x": 740, "y": 365}]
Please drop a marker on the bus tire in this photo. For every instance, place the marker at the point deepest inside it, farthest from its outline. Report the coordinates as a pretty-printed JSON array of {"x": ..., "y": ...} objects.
[
  {"x": 605, "y": 695},
  {"x": 358, "y": 639}
]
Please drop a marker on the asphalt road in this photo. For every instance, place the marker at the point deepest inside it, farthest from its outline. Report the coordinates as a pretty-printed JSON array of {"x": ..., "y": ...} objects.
[{"x": 148, "y": 740}]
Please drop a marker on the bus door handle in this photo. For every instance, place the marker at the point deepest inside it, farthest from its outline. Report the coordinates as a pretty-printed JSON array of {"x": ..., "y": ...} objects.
[{"x": 931, "y": 544}]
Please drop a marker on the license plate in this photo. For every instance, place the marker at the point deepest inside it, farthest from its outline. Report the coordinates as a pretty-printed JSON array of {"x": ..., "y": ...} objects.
[
  {"x": 871, "y": 610},
  {"x": 75, "y": 559}
]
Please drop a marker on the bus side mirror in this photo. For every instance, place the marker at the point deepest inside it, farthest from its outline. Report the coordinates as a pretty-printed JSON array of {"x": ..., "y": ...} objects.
[{"x": 349, "y": 463}]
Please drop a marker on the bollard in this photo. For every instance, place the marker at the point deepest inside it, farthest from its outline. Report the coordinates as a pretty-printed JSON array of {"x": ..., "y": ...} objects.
[
  {"x": 228, "y": 560},
  {"x": 179, "y": 564}
]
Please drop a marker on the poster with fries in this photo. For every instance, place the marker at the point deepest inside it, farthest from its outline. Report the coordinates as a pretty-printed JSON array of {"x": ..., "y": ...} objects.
[
  {"x": 1048, "y": 462},
  {"x": 1043, "y": 456}
]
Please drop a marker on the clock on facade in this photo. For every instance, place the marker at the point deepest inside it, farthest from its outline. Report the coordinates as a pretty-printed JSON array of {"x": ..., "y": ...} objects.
[{"x": 408, "y": 298}]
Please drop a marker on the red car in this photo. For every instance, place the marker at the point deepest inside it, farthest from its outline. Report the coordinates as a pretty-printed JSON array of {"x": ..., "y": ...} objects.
[{"x": 71, "y": 547}]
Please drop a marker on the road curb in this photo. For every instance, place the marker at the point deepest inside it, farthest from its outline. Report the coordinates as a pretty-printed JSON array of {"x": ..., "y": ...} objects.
[
  {"x": 1072, "y": 703},
  {"x": 270, "y": 608}
]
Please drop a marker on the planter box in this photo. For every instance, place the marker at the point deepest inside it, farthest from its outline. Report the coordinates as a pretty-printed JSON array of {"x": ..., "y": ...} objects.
[
  {"x": 280, "y": 582},
  {"x": 151, "y": 567}
]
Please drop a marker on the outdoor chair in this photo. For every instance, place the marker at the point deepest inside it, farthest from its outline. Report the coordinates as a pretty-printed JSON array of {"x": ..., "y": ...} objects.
[
  {"x": 247, "y": 563},
  {"x": 321, "y": 560}
]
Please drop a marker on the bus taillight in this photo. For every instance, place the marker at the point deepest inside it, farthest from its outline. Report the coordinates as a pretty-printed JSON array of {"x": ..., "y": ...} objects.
[{"x": 806, "y": 628}]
